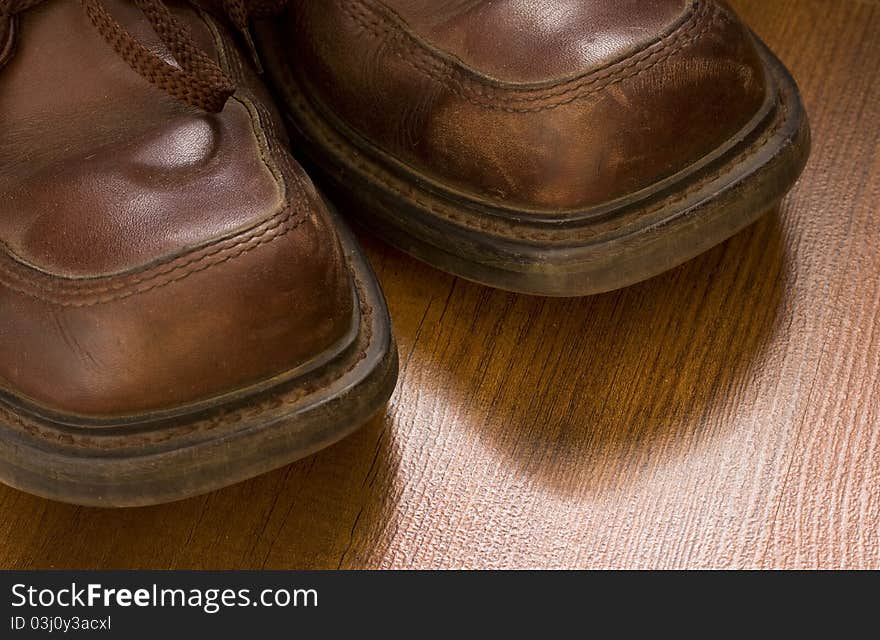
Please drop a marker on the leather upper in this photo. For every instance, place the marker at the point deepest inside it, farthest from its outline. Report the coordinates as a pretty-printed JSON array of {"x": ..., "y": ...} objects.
[
  {"x": 153, "y": 256},
  {"x": 544, "y": 105},
  {"x": 524, "y": 41}
]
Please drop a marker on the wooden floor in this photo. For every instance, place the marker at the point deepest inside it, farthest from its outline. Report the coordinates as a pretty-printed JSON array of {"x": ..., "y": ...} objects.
[{"x": 726, "y": 414}]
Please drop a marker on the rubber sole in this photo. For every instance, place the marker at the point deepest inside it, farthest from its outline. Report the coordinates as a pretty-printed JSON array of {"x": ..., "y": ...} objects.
[
  {"x": 157, "y": 462},
  {"x": 579, "y": 253}
]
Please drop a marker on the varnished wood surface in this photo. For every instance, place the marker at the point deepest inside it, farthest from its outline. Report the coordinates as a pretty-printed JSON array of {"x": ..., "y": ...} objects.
[{"x": 726, "y": 414}]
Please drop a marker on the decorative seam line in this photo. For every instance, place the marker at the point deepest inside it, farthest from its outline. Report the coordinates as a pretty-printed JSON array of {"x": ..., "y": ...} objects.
[
  {"x": 514, "y": 100},
  {"x": 45, "y": 292}
]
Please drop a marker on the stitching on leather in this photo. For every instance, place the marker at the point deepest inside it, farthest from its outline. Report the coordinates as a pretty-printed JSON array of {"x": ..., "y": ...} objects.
[
  {"x": 703, "y": 17},
  {"x": 46, "y": 293},
  {"x": 24, "y": 279}
]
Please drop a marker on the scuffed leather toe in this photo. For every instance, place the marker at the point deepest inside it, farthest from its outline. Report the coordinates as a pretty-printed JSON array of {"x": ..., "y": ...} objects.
[{"x": 542, "y": 106}]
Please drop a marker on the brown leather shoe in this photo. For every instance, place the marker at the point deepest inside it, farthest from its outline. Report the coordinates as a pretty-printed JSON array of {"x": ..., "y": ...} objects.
[
  {"x": 178, "y": 309},
  {"x": 561, "y": 148}
]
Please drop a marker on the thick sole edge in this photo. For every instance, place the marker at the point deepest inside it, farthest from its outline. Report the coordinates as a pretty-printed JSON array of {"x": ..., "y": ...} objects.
[
  {"x": 724, "y": 205},
  {"x": 256, "y": 436}
]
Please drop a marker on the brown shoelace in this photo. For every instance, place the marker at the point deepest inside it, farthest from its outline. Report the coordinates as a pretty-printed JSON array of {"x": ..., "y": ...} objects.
[{"x": 196, "y": 79}]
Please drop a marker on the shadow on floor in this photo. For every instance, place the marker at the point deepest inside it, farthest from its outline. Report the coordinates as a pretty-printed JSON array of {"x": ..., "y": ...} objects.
[{"x": 573, "y": 392}]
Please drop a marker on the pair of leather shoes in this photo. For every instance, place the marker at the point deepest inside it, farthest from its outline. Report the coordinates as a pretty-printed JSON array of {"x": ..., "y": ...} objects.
[{"x": 180, "y": 309}]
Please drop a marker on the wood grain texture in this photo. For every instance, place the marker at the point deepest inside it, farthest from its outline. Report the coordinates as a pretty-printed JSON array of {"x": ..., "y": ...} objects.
[{"x": 726, "y": 414}]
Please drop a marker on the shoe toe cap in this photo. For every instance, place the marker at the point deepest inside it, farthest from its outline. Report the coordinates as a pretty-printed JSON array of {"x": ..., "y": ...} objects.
[
  {"x": 612, "y": 132},
  {"x": 222, "y": 320},
  {"x": 591, "y": 114}
]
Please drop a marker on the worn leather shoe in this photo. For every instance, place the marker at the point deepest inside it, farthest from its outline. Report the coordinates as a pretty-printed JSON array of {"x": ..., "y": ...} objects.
[
  {"x": 178, "y": 308},
  {"x": 560, "y": 147}
]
